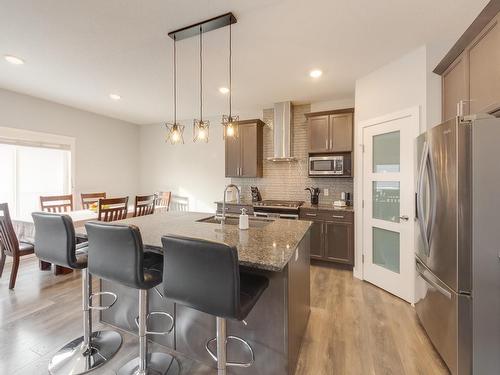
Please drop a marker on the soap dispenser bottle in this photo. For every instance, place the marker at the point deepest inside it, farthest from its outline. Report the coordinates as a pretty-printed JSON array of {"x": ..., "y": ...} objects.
[{"x": 243, "y": 225}]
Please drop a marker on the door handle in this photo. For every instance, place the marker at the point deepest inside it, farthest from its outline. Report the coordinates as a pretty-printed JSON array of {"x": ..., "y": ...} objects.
[
  {"x": 436, "y": 286},
  {"x": 404, "y": 218},
  {"x": 313, "y": 215}
]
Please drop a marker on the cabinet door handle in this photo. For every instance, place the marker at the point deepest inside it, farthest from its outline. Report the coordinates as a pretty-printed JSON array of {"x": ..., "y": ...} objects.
[
  {"x": 326, "y": 143},
  {"x": 313, "y": 215},
  {"x": 338, "y": 216}
]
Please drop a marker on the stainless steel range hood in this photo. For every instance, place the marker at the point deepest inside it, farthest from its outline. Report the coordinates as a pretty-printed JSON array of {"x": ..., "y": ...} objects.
[{"x": 282, "y": 132}]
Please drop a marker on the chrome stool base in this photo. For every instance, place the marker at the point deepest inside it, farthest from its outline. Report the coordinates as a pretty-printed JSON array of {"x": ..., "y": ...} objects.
[
  {"x": 75, "y": 358},
  {"x": 157, "y": 364}
]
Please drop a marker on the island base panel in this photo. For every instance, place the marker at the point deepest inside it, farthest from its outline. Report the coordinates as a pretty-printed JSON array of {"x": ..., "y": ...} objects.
[{"x": 275, "y": 327}]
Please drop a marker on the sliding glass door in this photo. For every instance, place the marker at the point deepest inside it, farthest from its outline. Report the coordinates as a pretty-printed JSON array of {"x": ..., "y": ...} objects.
[{"x": 30, "y": 171}]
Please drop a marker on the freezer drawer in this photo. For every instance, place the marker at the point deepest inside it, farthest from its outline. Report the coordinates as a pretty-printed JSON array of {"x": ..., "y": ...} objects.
[{"x": 447, "y": 318}]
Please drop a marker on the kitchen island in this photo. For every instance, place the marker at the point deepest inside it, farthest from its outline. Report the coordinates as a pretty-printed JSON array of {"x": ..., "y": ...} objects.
[{"x": 278, "y": 249}]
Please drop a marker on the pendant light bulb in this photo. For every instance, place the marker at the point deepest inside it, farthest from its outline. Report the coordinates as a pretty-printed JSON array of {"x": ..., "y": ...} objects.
[
  {"x": 175, "y": 131},
  {"x": 201, "y": 127},
  {"x": 230, "y": 122}
]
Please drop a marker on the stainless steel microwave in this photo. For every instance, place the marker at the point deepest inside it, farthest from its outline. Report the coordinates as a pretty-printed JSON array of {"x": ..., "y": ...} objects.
[{"x": 327, "y": 165}]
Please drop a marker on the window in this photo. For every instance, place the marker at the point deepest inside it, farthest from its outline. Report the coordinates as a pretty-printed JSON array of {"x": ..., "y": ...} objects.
[{"x": 28, "y": 170}]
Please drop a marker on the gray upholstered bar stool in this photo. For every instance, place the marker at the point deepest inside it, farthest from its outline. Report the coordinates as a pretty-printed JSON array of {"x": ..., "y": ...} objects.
[
  {"x": 206, "y": 276},
  {"x": 55, "y": 242},
  {"x": 116, "y": 253}
]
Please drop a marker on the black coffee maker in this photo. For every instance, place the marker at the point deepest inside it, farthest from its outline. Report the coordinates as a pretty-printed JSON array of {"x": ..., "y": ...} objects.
[
  {"x": 314, "y": 191},
  {"x": 256, "y": 197}
]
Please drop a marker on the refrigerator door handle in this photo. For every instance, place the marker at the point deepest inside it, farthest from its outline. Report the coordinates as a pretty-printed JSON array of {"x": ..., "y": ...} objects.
[
  {"x": 439, "y": 288},
  {"x": 433, "y": 199},
  {"x": 420, "y": 201}
]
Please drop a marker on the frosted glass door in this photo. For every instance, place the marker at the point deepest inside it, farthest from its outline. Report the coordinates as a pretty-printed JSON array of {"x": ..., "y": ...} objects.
[{"x": 387, "y": 195}]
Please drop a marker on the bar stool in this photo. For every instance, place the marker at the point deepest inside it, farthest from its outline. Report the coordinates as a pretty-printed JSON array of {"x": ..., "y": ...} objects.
[
  {"x": 55, "y": 242},
  {"x": 205, "y": 276},
  {"x": 116, "y": 253}
]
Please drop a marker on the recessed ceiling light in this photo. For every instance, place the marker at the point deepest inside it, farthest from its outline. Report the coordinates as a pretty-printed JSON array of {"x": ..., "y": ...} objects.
[
  {"x": 14, "y": 60},
  {"x": 315, "y": 73},
  {"x": 223, "y": 90},
  {"x": 115, "y": 96}
]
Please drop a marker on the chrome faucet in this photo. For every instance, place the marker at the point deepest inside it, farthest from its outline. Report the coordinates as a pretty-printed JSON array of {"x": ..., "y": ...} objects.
[{"x": 223, "y": 218}]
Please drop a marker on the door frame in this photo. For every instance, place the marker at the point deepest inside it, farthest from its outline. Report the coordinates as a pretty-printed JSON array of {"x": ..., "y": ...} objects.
[{"x": 413, "y": 113}]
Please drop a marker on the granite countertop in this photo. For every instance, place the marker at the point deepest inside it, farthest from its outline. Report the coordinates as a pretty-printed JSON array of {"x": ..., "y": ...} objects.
[
  {"x": 324, "y": 206},
  {"x": 268, "y": 248}
]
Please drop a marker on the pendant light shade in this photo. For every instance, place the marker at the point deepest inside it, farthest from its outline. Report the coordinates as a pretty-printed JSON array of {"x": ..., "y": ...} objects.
[
  {"x": 175, "y": 131},
  {"x": 230, "y": 122},
  {"x": 201, "y": 127}
]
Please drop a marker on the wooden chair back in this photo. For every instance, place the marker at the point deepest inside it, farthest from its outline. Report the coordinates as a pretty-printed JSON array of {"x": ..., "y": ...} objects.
[
  {"x": 144, "y": 205},
  {"x": 8, "y": 237},
  {"x": 90, "y": 198},
  {"x": 179, "y": 203},
  {"x": 163, "y": 201},
  {"x": 112, "y": 209},
  {"x": 56, "y": 203}
]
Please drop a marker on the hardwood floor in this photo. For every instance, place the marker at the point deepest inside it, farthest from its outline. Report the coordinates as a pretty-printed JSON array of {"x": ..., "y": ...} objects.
[{"x": 354, "y": 328}]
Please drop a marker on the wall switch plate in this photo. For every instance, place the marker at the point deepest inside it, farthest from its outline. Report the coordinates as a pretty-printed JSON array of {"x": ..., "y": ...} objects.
[{"x": 326, "y": 192}]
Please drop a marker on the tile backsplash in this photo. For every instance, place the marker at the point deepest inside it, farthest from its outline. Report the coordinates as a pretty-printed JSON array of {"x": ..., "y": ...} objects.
[{"x": 287, "y": 180}]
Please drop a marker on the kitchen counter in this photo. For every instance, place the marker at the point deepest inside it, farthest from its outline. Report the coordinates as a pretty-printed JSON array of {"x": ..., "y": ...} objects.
[
  {"x": 243, "y": 202},
  {"x": 326, "y": 207},
  {"x": 268, "y": 248},
  {"x": 274, "y": 328}
]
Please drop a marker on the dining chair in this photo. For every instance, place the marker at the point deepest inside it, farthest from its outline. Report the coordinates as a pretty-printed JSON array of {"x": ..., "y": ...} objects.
[
  {"x": 112, "y": 209},
  {"x": 179, "y": 203},
  {"x": 163, "y": 201},
  {"x": 90, "y": 198},
  {"x": 56, "y": 203},
  {"x": 10, "y": 245},
  {"x": 144, "y": 205}
]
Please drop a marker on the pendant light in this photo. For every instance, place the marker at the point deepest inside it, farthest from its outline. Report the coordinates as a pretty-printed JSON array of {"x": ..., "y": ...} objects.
[
  {"x": 201, "y": 127},
  {"x": 175, "y": 131},
  {"x": 230, "y": 122}
]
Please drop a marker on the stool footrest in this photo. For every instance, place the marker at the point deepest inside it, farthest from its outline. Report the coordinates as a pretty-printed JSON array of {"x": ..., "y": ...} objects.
[
  {"x": 115, "y": 298},
  {"x": 232, "y": 364},
  {"x": 158, "y": 313}
]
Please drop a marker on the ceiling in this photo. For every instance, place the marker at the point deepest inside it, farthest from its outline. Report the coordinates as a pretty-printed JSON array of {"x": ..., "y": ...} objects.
[{"x": 78, "y": 52}]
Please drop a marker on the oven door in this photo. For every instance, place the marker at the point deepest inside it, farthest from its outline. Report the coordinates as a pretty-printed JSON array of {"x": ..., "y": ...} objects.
[{"x": 325, "y": 165}]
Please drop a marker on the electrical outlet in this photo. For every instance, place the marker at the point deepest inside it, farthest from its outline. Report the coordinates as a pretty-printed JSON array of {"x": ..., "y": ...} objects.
[{"x": 326, "y": 192}]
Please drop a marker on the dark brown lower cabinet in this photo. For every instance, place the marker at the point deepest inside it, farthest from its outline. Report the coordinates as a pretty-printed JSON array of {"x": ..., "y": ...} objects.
[
  {"x": 338, "y": 242},
  {"x": 317, "y": 241},
  {"x": 332, "y": 235}
]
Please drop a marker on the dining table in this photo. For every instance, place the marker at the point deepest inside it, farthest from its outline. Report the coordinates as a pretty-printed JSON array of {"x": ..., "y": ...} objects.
[{"x": 25, "y": 231}]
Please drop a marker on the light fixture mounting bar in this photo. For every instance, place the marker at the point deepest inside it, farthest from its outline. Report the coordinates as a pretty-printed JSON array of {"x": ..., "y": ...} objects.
[{"x": 206, "y": 26}]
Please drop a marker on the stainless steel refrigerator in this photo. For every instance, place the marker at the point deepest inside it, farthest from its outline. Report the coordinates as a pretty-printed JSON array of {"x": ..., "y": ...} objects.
[{"x": 458, "y": 242}]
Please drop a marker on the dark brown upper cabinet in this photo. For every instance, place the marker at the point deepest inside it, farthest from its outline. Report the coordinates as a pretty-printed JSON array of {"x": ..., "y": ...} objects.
[
  {"x": 470, "y": 72},
  {"x": 455, "y": 90},
  {"x": 244, "y": 154},
  {"x": 331, "y": 131},
  {"x": 484, "y": 69}
]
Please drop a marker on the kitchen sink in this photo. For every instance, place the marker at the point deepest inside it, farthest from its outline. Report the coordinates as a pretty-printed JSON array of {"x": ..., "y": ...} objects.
[{"x": 232, "y": 220}]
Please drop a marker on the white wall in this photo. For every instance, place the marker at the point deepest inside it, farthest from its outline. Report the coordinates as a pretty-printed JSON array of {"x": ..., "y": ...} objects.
[
  {"x": 107, "y": 150},
  {"x": 332, "y": 104},
  {"x": 405, "y": 83}
]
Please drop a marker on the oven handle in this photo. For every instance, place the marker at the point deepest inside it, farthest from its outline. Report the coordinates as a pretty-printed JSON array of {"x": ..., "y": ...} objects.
[
  {"x": 289, "y": 216},
  {"x": 270, "y": 214},
  {"x": 260, "y": 214}
]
